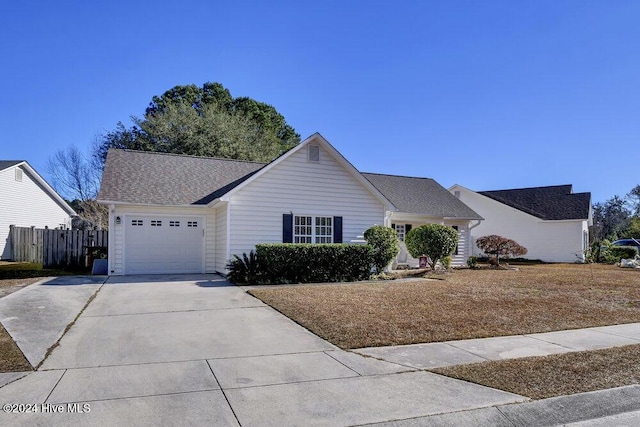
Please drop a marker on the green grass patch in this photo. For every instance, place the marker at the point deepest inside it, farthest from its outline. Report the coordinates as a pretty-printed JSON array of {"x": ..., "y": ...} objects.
[{"x": 25, "y": 270}]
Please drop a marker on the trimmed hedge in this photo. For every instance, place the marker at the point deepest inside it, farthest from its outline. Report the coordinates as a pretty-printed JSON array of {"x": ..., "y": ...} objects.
[{"x": 309, "y": 263}]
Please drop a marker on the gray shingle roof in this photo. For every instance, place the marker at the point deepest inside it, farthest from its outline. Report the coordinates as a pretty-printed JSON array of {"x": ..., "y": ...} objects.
[
  {"x": 143, "y": 177},
  {"x": 420, "y": 196},
  {"x": 549, "y": 203},
  {"x": 4, "y": 164}
]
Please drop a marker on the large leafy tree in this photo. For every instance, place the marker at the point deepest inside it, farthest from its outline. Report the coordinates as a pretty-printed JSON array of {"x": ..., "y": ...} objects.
[
  {"x": 610, "y": 218},
  {"x": 205, "y": 121},
  {"x": 201, "y": 121}
]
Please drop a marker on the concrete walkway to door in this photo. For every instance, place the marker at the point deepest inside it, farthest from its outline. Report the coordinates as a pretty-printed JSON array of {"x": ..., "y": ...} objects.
[{"x": 195, "y": 350}]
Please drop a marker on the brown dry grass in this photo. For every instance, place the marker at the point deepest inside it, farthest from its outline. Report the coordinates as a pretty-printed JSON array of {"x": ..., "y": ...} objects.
[
  {"x": 466, "y": 304},
  {"x": 11, "y": 358},
  {"x": 555, "y": 375},
  {"x": 9, "y": 286}
]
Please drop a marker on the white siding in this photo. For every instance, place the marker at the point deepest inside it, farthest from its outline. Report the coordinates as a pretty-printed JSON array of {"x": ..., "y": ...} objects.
[
  {"x": 25, "y": 204},
  {"x": 464, "y": 248},
  {"x": 116, "y": 233},
  {"x": 301, "y": 187},
  {"x": 551, "y": 241},
  {"x": 221, "y": 239}
]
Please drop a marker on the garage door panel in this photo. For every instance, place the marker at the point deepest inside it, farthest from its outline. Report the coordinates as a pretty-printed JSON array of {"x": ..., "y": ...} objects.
[{"x": 155, "y": 244}]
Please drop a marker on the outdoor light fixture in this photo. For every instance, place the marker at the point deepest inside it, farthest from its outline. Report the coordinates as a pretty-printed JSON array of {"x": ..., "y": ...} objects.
[{"x": 118, "y": 220}]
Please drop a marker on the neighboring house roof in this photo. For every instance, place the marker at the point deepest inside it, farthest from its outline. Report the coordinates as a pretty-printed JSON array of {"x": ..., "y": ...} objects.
[
  {"x": 152, "y": 178},
  {"x": 40, "y": 181},
  {"x": 548, "y": 203},
  {"x": 4, "y": 164},
  {"x": 422, "y": 196}
]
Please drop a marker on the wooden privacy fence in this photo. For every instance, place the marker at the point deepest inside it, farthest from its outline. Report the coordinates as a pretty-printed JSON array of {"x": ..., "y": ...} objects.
[
  {"x": 55, "y": 248},
  {"x": 26, "y": 243}
]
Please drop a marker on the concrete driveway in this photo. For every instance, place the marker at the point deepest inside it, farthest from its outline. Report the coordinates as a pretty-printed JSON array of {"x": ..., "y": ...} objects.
[{"x": 195, "y": 350}]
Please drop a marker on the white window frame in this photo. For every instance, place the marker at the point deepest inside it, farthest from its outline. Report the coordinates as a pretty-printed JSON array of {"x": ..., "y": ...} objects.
[
  {"x": 400, "y": 229},
  {"x": 310, "y": 229}
]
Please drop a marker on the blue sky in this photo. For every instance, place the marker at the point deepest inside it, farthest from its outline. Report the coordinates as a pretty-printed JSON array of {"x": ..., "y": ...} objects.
[{"x": 486, "y": 94}]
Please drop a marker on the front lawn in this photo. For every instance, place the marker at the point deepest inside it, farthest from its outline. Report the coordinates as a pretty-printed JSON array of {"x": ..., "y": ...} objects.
[
  {"x": 484, "y": 303},
  {"x": 557, "y": 374},
  {"x": 464, "y": 304}
]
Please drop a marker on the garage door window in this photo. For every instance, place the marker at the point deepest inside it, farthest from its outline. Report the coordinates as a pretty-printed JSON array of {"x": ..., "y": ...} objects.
[
  {"x": 156, "y": 223},
  {"x": 137, "y": 222},
  {"x": 174, "y": 223},
  {"x": 192, "y": 223}
]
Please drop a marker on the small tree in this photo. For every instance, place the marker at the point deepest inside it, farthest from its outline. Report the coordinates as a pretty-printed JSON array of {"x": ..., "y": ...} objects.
[
  {"x": 500, "y": 246},
  {"x": 433, "y": 240},
  {"x": 385, "y": 244}
]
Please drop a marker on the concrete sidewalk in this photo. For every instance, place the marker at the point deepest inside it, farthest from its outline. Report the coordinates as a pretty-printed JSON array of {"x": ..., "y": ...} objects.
[
  {"x": 449, "y": 353},
  {"x": 195, "y": 350}
]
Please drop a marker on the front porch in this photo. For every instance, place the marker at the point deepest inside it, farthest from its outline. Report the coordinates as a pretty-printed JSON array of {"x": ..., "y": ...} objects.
[{"x": 403, "y": 223}]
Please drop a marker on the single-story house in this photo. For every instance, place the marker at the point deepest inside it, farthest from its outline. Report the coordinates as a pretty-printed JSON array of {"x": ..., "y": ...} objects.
[
  {"x": 27, "y": 200},
  {"x": 552, "y": 222},
  {"x": 181, "y": 214}
]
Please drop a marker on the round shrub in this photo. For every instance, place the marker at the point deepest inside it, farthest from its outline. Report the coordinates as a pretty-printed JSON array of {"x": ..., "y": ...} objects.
[
  {"x": 385, "y": 244},
  {"x": 433, "y": 240}
]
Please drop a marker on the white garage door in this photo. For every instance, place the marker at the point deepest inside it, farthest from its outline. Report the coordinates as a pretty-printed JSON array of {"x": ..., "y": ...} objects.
[{"x": 163, "y": 244}]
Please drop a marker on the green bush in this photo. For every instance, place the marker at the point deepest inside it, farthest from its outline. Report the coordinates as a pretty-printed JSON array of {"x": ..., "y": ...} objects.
[
  {"x": 472, "y": 261},
  {"x": 446, "y": 262},
  {"x": 245, "y": 270},
  {"x": 614, "y": 254},
  {"x": 433, "y": 240},
  {"x": 385, "y": 243},
  {"x": 307, "y": 263}
]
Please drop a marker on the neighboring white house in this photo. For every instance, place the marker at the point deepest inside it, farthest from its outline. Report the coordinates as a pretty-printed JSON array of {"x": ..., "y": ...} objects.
[
  {"x": 26, "y": 200},
  {"x": 184, "y": 214},
  {"x": 551, "y": 222}
]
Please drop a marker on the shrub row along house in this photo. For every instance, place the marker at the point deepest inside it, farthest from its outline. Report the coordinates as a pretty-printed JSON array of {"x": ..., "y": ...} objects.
[{"x": 181, "y": 214}]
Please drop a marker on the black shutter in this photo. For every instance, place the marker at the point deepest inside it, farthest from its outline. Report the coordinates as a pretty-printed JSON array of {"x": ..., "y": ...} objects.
[
  {"x": 287, "y": 228},
  {"x": 455, "y": 227},
  {"x": 407, "y": 228},
  {"x": 337, "y": 229},
  {"x": 393, "y": 225}
]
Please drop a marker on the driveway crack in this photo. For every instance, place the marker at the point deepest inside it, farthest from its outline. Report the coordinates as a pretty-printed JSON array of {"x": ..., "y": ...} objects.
[{"x": 69, "y": 326}]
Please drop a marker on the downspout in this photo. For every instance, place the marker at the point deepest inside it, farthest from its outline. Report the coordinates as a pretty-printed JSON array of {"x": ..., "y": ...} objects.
[{"x": 228, "y": 248}]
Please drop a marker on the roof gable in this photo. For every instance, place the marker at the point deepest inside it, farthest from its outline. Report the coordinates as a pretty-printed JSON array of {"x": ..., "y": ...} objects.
[
  {"x": 548, "y": 203},
  {"x": 152, "y": 178},
  {"x": 420, "y": 196},
  {"x": 40, "y": 182},
  {"x": 316, "y": 138}
]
